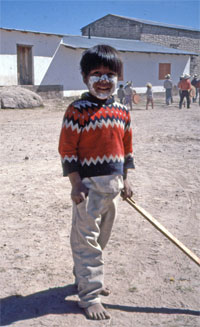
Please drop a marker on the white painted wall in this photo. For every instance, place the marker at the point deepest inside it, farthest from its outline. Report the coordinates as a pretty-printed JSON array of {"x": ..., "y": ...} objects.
[
  {"x": 41, "y": 65},
  {"x": 8, "y": 69},
  {"x": 43, "y": 49},
  {"x": 142, "y": 68},
  {"x": 138, "y": 67},
  {"x": 64, "y": 69}
]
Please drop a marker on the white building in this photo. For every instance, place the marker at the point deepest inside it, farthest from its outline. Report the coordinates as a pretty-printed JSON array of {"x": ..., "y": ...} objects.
[{"x": 41, "y": 59}]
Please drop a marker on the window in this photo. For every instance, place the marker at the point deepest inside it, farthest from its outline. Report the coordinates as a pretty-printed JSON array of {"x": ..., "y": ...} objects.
[
  {"x": 174, "y": 45},
  {"x": 164, "y": 69}
]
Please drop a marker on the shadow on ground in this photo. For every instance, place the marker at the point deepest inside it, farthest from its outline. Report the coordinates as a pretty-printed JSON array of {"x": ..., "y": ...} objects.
[
  {"x": 52, "y": 301},
  {"x": 168, "y": 311}
]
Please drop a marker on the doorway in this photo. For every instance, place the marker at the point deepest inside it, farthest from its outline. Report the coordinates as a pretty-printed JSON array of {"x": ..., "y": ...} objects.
[{"x": 24, "y": 65}]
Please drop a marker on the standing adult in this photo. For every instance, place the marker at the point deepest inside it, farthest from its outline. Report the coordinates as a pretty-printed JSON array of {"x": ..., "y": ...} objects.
[
  {"x": 179, "y": 90},
  {"x": 168, "y": 89},
  {"x": 194, "y": 82},
  {"x": 185, "y": 86}
]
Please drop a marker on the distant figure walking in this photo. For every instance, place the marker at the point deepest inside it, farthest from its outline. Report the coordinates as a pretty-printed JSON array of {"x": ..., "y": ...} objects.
[
  {"x": 198, "y": 90},
  {"x": 129, "y": 91},
  {"x": 168, "y": 89},
  {"x": 149, "y": 95},
  {"x": 179, "y": 90},
  {"x": 120, "y": 93},
  {"x": 185, "y": 86},
  {"x": 194, "y": 82}
]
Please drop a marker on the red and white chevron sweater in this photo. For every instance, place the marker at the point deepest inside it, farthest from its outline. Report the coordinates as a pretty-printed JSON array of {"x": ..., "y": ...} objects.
[{"x": 96, "y": 138}]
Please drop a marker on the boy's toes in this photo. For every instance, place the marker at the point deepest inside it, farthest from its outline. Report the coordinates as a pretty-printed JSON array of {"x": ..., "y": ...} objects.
[{"x": 96, "y": 312}]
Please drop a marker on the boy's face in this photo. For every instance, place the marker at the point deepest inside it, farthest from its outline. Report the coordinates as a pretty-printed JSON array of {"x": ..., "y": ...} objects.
[{"x": 101, "y": 82}]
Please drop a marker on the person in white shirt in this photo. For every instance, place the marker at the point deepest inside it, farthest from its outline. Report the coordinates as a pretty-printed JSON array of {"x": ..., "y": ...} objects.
[
  {"x": 149, "y": 95},
  {"x": 129, "y": 91},
  {"x": 168, "y": 89}
]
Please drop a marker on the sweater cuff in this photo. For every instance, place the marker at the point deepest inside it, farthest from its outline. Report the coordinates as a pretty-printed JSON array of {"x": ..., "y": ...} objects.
[
  {"x": 69, "y": 168},
  {"x": 129, "y": 162}
]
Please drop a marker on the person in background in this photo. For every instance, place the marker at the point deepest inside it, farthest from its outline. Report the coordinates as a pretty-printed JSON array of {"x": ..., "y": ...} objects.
[
  {"x": 96, "y": 153},
  {"x": 120, "y": 93},
  {"x": 149, "y": 96},
  {"x": 194, "y": 82},
  {"x": 168, "y": 89},
  {"x": 179, "y": 90},
  {"x": 185, "y": 86},
  {"x": 198, "y": 89},
  {"x": 129, "y": 92}
]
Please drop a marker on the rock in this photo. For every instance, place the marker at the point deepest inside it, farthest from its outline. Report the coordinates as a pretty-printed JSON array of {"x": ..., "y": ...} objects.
[{"x": 12, "y": 97}]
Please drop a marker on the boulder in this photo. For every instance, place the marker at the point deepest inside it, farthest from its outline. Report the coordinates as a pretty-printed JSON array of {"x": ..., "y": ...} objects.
[{"x": 12, "y": 97}]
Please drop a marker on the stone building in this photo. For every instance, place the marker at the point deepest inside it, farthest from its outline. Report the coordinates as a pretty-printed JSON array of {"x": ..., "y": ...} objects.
[{"x": 178, "y": 37}]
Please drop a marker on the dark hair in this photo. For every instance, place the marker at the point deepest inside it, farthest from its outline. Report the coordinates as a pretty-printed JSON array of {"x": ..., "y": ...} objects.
[{"x": 101, "y": 55}]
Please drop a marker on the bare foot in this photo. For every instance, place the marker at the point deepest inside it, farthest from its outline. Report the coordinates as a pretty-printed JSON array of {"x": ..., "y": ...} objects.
[{"x": 96, "y": 312}]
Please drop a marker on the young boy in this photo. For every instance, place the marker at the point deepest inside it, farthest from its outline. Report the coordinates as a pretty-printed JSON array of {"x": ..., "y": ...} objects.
[
  {"x": 149, "y": 95},
  {"x": 96, "y": 151},
  {"x": 129, "y": 91},
  {"x": 120, "y": 93}
]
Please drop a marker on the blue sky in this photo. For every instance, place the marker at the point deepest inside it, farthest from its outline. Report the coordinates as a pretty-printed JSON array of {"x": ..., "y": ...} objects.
[{"x": 68, "y": 17}]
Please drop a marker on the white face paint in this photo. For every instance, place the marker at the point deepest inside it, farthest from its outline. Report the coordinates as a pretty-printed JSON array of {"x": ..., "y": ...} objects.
[{"x": 101, "y": 93}]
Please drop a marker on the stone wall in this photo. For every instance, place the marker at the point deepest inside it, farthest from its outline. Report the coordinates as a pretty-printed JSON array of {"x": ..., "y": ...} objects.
[
  {"x": 46, "y": 91},
  {"x": 119, "y": 27},
  {"x": 112, "y": 26},
  {"x": 175, "y": 38}
]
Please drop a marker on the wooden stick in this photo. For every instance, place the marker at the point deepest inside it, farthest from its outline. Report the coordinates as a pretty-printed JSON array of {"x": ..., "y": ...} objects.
[{"x": 164, "y": 231}]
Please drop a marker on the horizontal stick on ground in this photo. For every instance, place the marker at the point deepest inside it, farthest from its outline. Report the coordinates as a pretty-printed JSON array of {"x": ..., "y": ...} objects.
[{"x": 164, "y": 231}]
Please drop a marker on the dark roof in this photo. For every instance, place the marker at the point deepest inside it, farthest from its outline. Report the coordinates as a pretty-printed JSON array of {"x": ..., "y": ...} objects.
[
  {"x": 27, "y": 31},
  {"x": 126, "y": 45},
  {"x": 148, "y": 22}
]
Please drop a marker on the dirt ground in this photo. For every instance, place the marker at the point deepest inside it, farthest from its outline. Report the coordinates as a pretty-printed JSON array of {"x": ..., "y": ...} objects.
[{"x": 153, "y": 283}]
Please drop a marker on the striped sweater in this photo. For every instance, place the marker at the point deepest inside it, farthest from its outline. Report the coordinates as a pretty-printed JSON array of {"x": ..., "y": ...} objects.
[{"x": 96, "y": 138}]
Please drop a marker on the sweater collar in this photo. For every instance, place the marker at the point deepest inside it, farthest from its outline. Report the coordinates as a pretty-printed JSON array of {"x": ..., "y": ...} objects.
[{"x": 88, "y": 96}]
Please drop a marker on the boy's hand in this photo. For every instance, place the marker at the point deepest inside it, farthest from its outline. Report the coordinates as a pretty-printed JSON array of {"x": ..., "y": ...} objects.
[
  {"x": 79, "y": 192},
  {"x": 127, "y": 191}
]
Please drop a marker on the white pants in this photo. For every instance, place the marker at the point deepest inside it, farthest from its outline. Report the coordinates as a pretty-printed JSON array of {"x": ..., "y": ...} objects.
[{"x": 92, "y": 223}]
